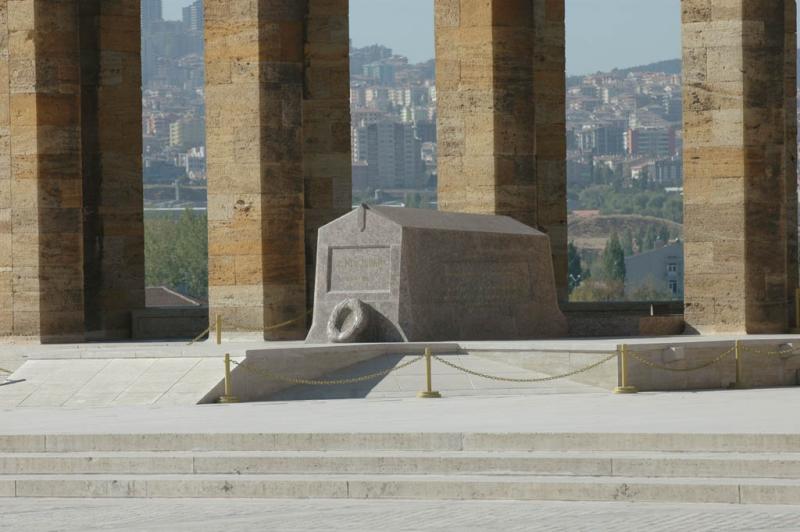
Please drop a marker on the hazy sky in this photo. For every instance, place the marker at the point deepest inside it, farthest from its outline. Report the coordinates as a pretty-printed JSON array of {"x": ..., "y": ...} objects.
[
  {"x": 601, "y": 34},
  {"x": 172, "y": 8}
]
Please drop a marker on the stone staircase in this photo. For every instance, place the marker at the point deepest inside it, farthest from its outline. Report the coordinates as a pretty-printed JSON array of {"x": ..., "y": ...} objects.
[{"x": 708, "y": 468}]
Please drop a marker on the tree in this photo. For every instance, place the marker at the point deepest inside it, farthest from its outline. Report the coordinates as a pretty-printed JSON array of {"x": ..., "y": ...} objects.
[
  {"x": 413, "y": 201},
  {"x": 650, "y": 238},
  {"x": 614, "y": 259},
  {"x": 599, "y": 290},
  {"x": 575, "y": 267},
  {"x": 627, "y": 242},
  {"x": 176, "y": 253},
  {"x": 663, "y": 234},
  {"x": 649, "y": 290}
]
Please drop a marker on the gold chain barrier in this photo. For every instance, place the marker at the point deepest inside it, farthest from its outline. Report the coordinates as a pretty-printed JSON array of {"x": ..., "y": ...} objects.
[
  {"x": 791, "y": 351},
  {"x": 319, "y": 382},
  {"x": 621, "y": 354},
  {"x": 217, "y": 328},
  {"x": 737, "y": 350},
  {"x": 228, "y": 396},
  {"x": 651, "y": 364},
  {"x": 535, "y": 380}
]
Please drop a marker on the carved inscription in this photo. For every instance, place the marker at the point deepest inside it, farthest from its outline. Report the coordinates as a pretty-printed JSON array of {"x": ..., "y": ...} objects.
[
  {"x": 366, "y": 269},
  {"x": 485, "y": 282}
]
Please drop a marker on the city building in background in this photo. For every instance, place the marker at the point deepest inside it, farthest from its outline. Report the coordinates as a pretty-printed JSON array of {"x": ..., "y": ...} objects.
[
  {"x": 393, "y": 134},
  {"x": 152, "y": 11},
  {"x": 193, "y": 16},
  {"x": 656, "y": 273},
  {"x": 173, "y": 119}
]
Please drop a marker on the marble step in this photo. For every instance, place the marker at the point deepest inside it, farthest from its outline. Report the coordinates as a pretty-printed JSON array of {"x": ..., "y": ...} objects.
[
  {"x": 431, "y": 487},
  {"x": 608, "y": 464},
  {"x": 768, "y": 443}
]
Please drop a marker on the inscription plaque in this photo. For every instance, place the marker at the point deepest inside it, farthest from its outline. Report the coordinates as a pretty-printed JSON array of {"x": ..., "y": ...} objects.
[{"x": 360, "y": 269}]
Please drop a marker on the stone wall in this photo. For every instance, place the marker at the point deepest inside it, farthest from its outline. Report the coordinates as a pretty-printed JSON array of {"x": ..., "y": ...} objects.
[
  {"x": 279, "y": 150},
  {"x": 499, "y": 63},
  {"x": 740, "y": 192}
]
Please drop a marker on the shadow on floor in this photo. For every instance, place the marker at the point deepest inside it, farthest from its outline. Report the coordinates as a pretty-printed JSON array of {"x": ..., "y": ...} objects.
[{"x": 358, "y": 390}]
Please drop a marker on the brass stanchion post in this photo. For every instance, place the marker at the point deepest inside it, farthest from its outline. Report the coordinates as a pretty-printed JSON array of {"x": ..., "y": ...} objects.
[
  {"x": 797, "y": 310},
  {"x": 228, "y": 397},
  {"x": 218, "y": 328},
  {"x": 428, "y": 393},
  {"x": 623, "y": 362},
  {"x": 738, "y": 352}
]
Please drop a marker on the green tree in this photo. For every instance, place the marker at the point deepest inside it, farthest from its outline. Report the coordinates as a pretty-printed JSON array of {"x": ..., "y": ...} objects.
[
  {"x": 577, "y": 274},
  {"x": 627, "y": 242},
  {"x": 599, "y": 290},
  {"x": 176, "y": 253},
  {"x": 650, "y": 291},
  {"x": 663, "y": 234},
  {"x": 413, "y": 201},
  {"x": 650, "y": 238},
  {"x": 614, "y": 259}
]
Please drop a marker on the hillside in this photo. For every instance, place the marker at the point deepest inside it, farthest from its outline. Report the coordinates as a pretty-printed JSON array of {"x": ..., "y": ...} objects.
[
  {"x": 670, "y": 66},
  {"x": 591, "y": 234}
]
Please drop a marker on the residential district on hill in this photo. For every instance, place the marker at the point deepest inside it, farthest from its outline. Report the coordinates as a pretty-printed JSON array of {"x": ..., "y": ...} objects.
[{"x": 624, "y": 140}]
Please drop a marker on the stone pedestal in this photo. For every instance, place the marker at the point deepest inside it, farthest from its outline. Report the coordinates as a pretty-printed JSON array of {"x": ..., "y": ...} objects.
[{"x": 423, "y": 275}]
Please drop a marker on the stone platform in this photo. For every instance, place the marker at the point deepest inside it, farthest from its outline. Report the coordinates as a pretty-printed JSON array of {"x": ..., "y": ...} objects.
[{"x": 178, "y": 374}]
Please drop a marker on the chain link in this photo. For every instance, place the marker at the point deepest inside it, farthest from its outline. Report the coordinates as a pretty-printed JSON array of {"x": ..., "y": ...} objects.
[
  {"x": 791, "y": 351},
  {"x": 334, "y": 382},
  {"x": 651, "y": 364},
  {"x": 285, "y": 323},
  {"x": 265, "y": 329},
  {"x": 199, "y": 336},
  {"x": 541, "y": 379}
]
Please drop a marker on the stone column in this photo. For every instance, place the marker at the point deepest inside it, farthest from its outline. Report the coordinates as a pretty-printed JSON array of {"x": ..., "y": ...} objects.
[
  {"x": 550, "y": 86},
  {"x": 42, "y": 143},
  {"x": 71, "y": 248},
  {"x": 6, "y": 232},
  {"x": 327, "y": 166},
  {"x": 111, "y": 124},
  {"x": 277, "y": 121},
  {"x": 790, "y": 93},
  {"x": 498, "y": 62},
  {"x": 740, "y": 192}
]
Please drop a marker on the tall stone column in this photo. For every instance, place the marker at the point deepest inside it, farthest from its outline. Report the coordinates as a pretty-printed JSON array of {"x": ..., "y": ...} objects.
[
  {"x": 790, "y": 93},
  {"x": 277, "y": 124},
  {"x": 111, "y": 124},
  {"x": 550, "y": 88},
  {"x": 43, "y": 142},
  {"x": 500, "y": 62},
  {"x": 327, "y": 166},
  {"x": 71, "y": 248},
  {"x": 740, "y": 189}
]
